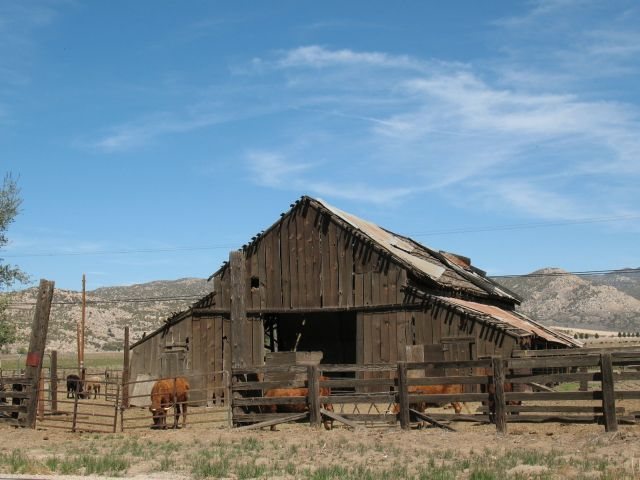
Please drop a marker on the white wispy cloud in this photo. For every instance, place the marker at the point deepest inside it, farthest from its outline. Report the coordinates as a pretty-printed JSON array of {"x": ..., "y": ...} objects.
[{"x": 448, "y": 125}]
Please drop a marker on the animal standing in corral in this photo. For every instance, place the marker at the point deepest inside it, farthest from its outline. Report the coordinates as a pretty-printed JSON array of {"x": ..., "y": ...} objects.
[
  {"x": 447, "y": 389},
  {"x": 300, "y": 407},
  {"x": 92, "y": 384},
  {"x": 164, "y": 395},
  {"x": 74, "y": 387}
]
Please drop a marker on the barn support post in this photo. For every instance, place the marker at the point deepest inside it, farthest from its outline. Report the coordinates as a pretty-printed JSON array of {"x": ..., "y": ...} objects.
[
  {"x": 499, "y": 403},
  {"x": 36, "y": 347},
  {"x": 608, "y": 393},
  {"x": 125, "y": 370},
  {"x": 584, "y": 384},
  {"x": 313, "y": 382},
  {"x": 403, "y": 396},
  {"x": 53, "y": 381}
]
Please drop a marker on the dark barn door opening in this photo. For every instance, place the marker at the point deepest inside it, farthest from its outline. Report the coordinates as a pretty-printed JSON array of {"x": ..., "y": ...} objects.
[{"x": 334, "y": 334}]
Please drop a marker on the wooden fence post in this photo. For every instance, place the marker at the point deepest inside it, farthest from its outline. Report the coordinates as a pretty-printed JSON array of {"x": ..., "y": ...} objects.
[
  {"x": 125, "y": 370},
  {"x": 499, "y": 403},
  {"x": 584, "y": 384},
  {"x": 403, "y": 396},
  {"x": 41, "y": 398},
  {"x": 313, "y": 383},
  {"x": 74, "y": 419},
  {"x": 608, "y": 393},
  {"x": 115, "y": 408},
  {"x": 53, "y": 381},
  {"x": 37, "y": 343}
]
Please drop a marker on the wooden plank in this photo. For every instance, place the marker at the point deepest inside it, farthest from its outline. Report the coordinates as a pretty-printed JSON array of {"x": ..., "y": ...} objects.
[
  {"x": 555, "y": 377},
  {"x": 553, "y": 396},
  {"x": 253, "y": 272},
  {"x": 576, "y": 351},
  {"x": 448, "y": 397},
  {"x": 367, "y": 276},
  {"x": 385, "y": 383},
  {"x": 308, "y": 253},
  {"x": 239, "y": 357},
  {"x": 500, "y": 413},
  {"x": 271, "y": 289},
  {"x": 430, "y": 420},
  {"x": 608, "y": 396},
  {"x": 276, "y": 265},
  {"x": 450, "y": 380},
  {"x": 403, "y": 396},
  {"x": 360, "y": 338},
  {"x": 266, "y": 385},
  {"x": 339, "y": 418},
  {"x": 219, "y": 358},
  {"x": 332, "y": 296},
  {"x": 292, "y": 225},
  {"x": 257, "y": 326},
  {"x": 300, "y": 258},
  {"x": 325, "y": 262},
  {"x": 268, "y": 423},
  {"x": 262, "y": 271},
  {"x": 359, "y": 398},
  {"x": 367, "y": 345},
  {"x": 554, "y": 362},
  {"x": 313, "y": 376},
  {"x": 253, "y": 401},
  {"x": 347, "y": 269},
  {"x": 285, "y": 271},
  {"x": 482, "y": 363},
  {"x": 316, "y": 259}
]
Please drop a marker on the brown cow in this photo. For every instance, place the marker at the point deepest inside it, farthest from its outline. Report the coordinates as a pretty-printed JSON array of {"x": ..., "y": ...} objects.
[
  {"x": 297, "y": 407},
  {"x": 93, "y": 384},
  {"x": 448, "y": 389},
  {"x": 166, "y": 393}
]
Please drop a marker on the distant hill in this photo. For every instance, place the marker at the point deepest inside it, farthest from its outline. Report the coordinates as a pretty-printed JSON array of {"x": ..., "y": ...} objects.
[
  {"x": 142, "y": 307},
  {"x": 608, "y": 302},
  {"x": 627, "y": 282}
]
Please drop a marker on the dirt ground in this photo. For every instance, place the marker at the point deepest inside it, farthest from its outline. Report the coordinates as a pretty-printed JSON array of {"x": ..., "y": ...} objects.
[{"x": 550, "y": 450}]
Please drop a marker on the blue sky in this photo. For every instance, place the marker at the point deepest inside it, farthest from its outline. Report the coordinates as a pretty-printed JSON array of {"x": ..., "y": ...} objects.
[{"x": 150, "y": 138}]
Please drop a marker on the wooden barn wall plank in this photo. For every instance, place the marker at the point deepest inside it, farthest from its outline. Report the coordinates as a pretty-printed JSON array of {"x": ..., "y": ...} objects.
[
  {"x": 308, "y": 254},
  {"x": 262, "y": 273},
  {"x": 285, "y": 273},
  {"x": 276, "y": 268},
  {"x": 300, "y": 242},
  {"x": 196, "y": 360},
  {"x": 252, "y": 271},
  {"x": 332, "y": 297},
  {"x": 314, "y": 219},
  {"x": 292, "y": 224},
  {"x": 325, "y": 261},
  {"x": 269, "y": 280}
]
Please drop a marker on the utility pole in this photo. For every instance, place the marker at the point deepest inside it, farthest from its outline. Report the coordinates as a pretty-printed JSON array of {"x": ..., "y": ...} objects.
[{"x": 81, "y": 335}]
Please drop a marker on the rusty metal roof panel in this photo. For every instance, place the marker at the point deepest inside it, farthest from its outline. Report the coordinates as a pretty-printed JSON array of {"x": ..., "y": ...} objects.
[
  {"x": 396, "y": 245},
  {"x": 446, "y": 268},
  {"x": 515, "y": 319}
]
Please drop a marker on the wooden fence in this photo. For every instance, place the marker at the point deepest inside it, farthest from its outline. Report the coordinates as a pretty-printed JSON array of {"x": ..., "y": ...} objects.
[
  {"x": 15, "y": 391},
  {"x": 530, "y": 388}
]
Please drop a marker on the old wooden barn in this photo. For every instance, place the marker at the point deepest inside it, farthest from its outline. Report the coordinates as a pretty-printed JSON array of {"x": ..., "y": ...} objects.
[{"x": 320, "y": 279}]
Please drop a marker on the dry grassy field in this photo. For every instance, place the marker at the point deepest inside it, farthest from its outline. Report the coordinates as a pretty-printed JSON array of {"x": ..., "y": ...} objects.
[{"x": 297, "y": 451}]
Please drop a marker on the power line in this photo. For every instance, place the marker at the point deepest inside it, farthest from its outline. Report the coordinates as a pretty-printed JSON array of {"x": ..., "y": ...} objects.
[
  {"x": 634, "y": 271},
  {"x": 522, "y": 226},
  {"x": 494, "y": 228},
  {"x": 120, "y": 300},
  {"x": 566, "y": 274}
]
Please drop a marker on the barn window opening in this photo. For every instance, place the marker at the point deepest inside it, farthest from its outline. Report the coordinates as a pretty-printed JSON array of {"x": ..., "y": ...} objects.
[{"x": 255, "y": 282}]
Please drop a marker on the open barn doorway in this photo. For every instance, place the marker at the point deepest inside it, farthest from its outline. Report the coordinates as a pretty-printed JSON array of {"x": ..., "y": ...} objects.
[{"x": 333, "y": 334}]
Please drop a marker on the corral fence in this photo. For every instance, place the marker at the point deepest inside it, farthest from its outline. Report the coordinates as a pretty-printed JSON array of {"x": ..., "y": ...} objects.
[
  {"x": 207, "y": 401},
  {"x": 15, "y": 390},
  {"x": 85, "y": 406},
  {"x": 538, "y": 387}
]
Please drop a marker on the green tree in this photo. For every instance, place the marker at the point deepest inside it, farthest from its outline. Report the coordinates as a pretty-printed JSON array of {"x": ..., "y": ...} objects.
[{"x": 9, "y": 274}]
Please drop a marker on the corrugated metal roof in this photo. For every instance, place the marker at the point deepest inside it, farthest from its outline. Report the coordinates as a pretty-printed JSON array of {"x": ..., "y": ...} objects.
[
  {"x": 514, "y": 319},
  {"x": 442, "y": 267}
]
